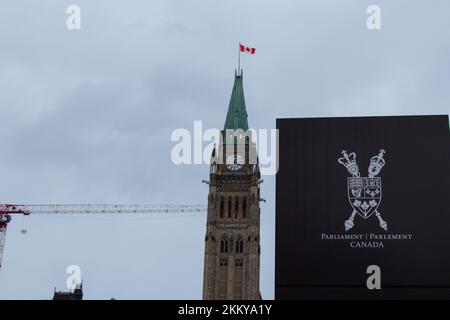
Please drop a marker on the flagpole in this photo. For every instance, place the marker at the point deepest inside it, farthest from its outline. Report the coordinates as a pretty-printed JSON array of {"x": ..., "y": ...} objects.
[{"x": 239, "y": 59}]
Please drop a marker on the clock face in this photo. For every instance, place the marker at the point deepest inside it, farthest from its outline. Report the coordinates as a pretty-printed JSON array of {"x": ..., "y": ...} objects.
[{"x": 234, "y": 162}]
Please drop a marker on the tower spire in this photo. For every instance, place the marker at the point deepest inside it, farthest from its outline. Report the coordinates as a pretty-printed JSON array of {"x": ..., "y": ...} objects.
[{"x": 237, "y": 113}]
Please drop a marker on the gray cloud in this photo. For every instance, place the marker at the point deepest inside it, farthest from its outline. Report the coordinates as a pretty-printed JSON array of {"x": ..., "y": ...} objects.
[{"x": 87, "y": 117}]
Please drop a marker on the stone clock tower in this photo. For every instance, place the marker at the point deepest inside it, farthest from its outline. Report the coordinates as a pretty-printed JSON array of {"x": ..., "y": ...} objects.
[{"x": 232, "y": 241}]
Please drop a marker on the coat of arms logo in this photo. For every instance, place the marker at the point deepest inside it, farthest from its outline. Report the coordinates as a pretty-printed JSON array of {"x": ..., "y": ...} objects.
[{"x": 364, "y": 193}]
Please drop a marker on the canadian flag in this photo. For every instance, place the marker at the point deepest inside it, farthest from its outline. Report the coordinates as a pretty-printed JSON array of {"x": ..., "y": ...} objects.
[{"x": 247, "y": 49}]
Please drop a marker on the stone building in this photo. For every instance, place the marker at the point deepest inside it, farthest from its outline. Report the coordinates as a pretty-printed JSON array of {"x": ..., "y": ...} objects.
[
  {"x": 76, "y": 294},
  {"x": 232, "y": 241}
]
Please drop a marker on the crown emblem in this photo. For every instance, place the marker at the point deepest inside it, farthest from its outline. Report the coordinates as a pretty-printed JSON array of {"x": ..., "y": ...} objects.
[
  {"x": 376, "y": 164},
  {"x": 349, "y": 162},
  {"x": 364, "y": 193}
]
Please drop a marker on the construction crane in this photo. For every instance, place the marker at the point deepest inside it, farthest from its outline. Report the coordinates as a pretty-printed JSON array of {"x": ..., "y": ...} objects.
[{"x": 7, "y": 210}]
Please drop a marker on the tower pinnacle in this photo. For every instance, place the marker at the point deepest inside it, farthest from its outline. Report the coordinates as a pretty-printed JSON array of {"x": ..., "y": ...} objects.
[{"x": 237, "y": 113}]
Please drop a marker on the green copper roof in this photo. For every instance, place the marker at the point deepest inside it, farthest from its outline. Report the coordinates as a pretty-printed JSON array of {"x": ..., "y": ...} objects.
[{"x": 237, "y": 114}]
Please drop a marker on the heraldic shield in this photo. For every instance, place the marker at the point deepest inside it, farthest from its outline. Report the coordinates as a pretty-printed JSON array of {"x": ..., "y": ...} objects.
[{"x": 364, "y": 195}]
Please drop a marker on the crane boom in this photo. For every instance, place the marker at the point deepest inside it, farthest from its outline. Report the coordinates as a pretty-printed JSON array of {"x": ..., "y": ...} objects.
[
  {"x": 6, "y": 210},
  {"x": 97, "y": 208}
]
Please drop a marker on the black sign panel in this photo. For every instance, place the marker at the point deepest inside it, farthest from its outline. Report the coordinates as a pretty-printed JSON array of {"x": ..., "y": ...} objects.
[{"x": 358, "y": 192}]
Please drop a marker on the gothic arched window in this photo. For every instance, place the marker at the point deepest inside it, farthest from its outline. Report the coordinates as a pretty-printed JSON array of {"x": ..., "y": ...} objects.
[
  {"x": 224, "y": 245},
  {"x": 239, "y": 245},
  {"x": 236, "y": 207},
  {"x": 229, "y": 207},
  {"x": 222, "y": 207},
  {"x": 244, "y": 208}
]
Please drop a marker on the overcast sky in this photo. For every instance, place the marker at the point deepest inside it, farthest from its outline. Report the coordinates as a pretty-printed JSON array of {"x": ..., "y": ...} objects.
[{"x": 86, "y": 117}]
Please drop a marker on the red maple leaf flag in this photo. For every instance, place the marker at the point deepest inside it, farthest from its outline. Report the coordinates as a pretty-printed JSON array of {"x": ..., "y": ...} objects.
[{"x": 247, "y": 49}]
